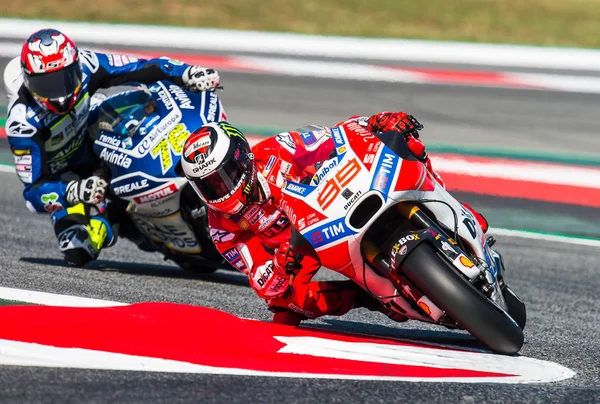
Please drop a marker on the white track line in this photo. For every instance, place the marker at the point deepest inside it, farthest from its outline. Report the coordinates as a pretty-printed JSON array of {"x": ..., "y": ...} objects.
[
  {"x": 4, "y": 168},
  {"x": 311, "y": 45},
  {"x": 366, "y": 72},
  {"x": 528, "y": 370},
  {"x": 52, "y": 299},
  {"x": 558, "y": 174},
  {"x": 555, "y": 238}
]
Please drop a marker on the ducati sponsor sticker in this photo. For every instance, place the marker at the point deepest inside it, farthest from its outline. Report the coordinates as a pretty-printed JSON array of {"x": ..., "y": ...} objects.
[{"x": 160, "y": 337}]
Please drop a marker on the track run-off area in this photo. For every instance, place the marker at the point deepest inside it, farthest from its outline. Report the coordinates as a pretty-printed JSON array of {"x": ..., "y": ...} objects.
[{"x": 133, "y": 328}]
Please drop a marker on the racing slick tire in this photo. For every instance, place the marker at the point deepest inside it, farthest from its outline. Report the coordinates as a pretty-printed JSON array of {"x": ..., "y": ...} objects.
[
  {"x": 452, "y": 293},
  {"x": 516, "y": 306}
]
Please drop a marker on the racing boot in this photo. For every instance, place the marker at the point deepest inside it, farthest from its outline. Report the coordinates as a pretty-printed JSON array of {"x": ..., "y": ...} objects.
[
  {"x": 316, "y": 299},
  {"x": 81, "y": 237},
  {"x": 370, "y": 303},
  {"x": 356, "y": 297}
]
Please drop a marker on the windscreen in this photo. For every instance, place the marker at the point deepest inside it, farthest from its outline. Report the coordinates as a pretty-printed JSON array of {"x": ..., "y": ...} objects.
[{"x": 125, "y": 113}]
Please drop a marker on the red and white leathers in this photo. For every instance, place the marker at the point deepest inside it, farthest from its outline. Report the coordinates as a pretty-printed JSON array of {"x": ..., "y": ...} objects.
[{"x": 249, "y": 239}]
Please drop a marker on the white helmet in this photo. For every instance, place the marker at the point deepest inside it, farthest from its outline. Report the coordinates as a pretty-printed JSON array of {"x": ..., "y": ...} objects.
[{"x": 219, "y": 164}]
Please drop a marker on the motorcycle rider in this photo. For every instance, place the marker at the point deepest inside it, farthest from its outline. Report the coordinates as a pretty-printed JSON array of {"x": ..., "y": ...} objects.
[
  {"x": 47, "y": 124},
  {"x": 242, "y": 186}
]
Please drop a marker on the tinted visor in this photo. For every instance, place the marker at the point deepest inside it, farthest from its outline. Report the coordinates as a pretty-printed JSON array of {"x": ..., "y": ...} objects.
[
  {"x": 221, "y": 183},
  {"x": 54, "y": 86}
]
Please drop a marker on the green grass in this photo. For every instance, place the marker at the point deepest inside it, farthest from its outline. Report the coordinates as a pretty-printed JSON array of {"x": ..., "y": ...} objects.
[{"x": 542, "y": 22}]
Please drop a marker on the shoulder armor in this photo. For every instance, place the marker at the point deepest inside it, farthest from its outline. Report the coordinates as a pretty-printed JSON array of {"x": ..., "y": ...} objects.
[
  {"x": 18, "y": 122},
  {"x": 90, "y": 60}
]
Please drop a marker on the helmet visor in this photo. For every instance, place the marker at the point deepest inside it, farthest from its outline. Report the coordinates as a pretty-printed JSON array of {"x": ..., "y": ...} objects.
[
  {"x": 56, "y": 86},
  {"x": 222, "y": 183}
]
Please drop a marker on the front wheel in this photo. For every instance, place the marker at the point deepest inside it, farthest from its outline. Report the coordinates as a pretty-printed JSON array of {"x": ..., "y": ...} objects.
[
  {"x": 516, "y": 306},
  {"x": 466, "y": 305}
]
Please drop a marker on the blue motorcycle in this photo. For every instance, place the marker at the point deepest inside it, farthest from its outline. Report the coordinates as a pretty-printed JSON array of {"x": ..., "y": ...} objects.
[{"x": 139, "y": 136}]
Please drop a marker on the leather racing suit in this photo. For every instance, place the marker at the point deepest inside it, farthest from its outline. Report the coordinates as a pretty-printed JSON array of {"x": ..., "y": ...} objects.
[
  {"x": 48, "y": 148},
  {"x": 249, "y": 238}
]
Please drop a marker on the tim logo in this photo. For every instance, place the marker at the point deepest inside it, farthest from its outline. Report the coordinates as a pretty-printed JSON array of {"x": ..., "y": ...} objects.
[
  {"x": 309, "y": 138},
  {"x": 317, "y": 238},
  {"x": 333, "y": 231},
  {"x": 386, "y": 168},
  {"x": 329, "y": 233}
]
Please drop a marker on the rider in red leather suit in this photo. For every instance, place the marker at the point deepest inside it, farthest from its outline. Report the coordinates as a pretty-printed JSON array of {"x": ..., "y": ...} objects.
[{"x": 247, "y": 222}]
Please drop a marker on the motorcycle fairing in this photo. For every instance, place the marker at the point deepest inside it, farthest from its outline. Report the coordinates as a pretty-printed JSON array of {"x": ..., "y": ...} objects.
[
  {"x": 144, "y": 166},
  {"x": 383, "y": 176}
]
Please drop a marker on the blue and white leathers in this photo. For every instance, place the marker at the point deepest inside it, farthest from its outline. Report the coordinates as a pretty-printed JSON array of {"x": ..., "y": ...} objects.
[{"x": 45, "y": 145}]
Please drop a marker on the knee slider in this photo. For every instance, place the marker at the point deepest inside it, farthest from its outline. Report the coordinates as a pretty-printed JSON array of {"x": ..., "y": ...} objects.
[{"x": 74, "y": 242}]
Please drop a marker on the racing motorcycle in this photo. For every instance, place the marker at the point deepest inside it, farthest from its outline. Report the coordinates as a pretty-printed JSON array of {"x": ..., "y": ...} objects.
[
  {"x": 139, "y": 135},
  {"x": 374, "y": 213}
]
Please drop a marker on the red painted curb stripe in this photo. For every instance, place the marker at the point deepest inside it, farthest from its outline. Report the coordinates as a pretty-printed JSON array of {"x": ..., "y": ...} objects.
[
  {"x": 572, "y": 195},
  {"x": 213, "y": 338},
  {"x": 242, "y": 64},
  {"x": 214, "y": 61},
  {"x": 466, "y": 77}
]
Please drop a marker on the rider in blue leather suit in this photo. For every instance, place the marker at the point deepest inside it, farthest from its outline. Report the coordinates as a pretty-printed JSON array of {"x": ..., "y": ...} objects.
[{"x": 47, "y": 131}]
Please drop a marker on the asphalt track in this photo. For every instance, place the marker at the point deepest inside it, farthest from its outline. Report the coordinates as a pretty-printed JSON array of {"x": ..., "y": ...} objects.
[
  {"x": 555, "y": 122},
  {"x": 559, "y": 282}
]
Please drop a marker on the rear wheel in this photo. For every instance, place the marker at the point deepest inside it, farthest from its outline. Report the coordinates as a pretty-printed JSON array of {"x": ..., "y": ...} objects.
[{"x": 466, "y": 305}]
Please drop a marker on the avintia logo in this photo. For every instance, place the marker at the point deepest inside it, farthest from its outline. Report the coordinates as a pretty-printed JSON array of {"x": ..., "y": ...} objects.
[{"x": 114, "y": 157}]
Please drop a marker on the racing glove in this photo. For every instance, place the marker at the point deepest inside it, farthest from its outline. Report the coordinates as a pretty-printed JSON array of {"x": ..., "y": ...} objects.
[
  {"x": 89, "y": 190},
  {"x": 389, "y": 121},
  {"x": 407, "y": 125},
  {"x": 272, "y": 280},
  {"x": 198, "y": 78},
  {"x": 286, "y": 261}
]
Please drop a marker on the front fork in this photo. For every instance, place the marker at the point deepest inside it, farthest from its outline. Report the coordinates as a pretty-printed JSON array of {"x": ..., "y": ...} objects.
[{"x": 405, "y": 242}]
